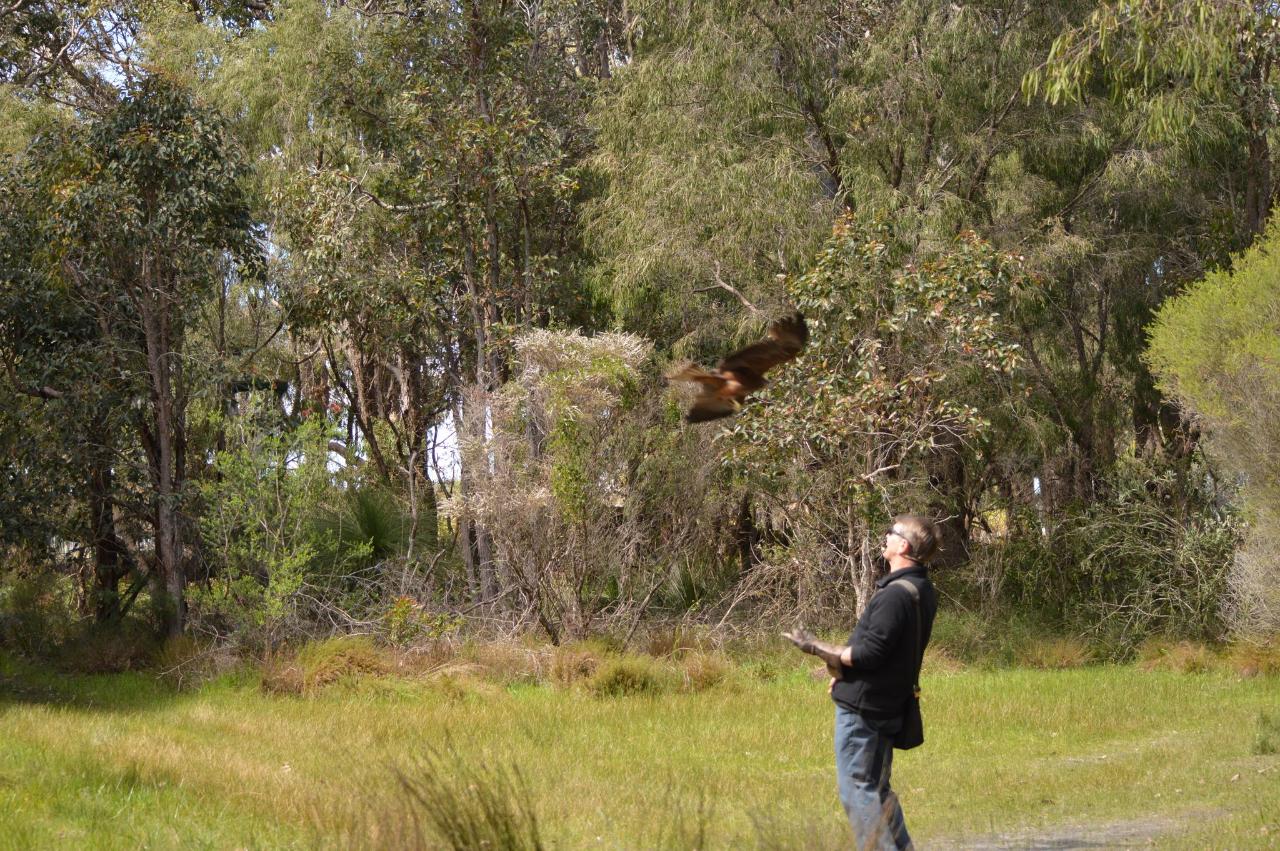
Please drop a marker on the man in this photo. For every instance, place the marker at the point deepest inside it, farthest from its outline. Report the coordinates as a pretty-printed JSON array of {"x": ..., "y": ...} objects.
[{"x": 873, "y": 678}]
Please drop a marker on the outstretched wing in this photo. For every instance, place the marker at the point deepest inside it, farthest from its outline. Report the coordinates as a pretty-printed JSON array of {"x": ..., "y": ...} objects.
[
  {"x": 710, "y": 381},
  {"x": 715, "y": 398},
  {"x": 709, "y": 406},
  {"x": 787, "y": 338},
  {"x": 723, "y": 391}
]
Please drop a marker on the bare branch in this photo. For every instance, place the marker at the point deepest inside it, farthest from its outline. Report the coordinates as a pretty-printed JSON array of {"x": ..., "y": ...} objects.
[{"x": 723, "y": 285}]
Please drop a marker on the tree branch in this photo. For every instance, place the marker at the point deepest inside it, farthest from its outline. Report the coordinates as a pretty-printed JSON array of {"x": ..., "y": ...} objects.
[{"x": 721, "y": 284}]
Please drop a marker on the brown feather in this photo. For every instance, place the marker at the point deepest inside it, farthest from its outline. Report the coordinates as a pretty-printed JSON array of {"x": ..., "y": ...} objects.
[
  {"x": 787, "y": 338},
  {"x": 724, "y": 390}
]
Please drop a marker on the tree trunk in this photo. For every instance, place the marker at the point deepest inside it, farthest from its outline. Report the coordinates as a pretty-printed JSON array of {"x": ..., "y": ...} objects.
[
  {"x": 112, "y": 561},
  {"x": 746, "y": 536},
  {"x": 950, "y": 506},
  {"x": 866, "y": 571},
  {"x": 163, "y": 439}
]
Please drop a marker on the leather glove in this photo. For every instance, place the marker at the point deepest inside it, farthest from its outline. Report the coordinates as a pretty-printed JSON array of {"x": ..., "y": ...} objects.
[{"x": 805, "y": 640}]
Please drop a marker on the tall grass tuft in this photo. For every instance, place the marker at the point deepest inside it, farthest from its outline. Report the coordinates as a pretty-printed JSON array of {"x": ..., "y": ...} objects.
[
  {"x": 1055, "y": 653},
  {"x": 688, "y": 816},
  {"x": 1266, "y": 742},
  {"x": 465, "y": 806}
]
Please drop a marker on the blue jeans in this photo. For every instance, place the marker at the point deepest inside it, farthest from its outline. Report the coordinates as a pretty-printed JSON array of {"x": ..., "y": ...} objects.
[{"x": 864, "y": 757}]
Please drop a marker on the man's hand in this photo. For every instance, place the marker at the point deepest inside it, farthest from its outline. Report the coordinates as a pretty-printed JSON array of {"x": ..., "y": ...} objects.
[
  {"x": 801, "y": 638},
  {"x": 828, "y": 653}
]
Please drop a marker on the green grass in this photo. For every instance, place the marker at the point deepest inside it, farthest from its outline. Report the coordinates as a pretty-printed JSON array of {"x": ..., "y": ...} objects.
[{"x": 121, "y": 761}]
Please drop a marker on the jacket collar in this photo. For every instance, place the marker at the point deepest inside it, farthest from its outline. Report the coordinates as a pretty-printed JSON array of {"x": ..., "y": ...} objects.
[{"x": 916, "y": 570}]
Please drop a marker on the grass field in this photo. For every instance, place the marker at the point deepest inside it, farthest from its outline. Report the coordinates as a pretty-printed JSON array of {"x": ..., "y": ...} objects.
[{"x": 123, "y": 761}]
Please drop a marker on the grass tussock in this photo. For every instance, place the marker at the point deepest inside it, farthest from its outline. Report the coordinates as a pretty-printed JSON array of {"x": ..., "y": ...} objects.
[
  {"x": 439, "y": 800},
  {"x": 687, "y": 822},
  {"x": 319, "y": 664},
  {"x": 940, "y": 660},
  {"x": 508, "y": 663},
  {"x": 575, "y": 664},
  {"x": 702, "y": 670},
  {"x": 1055, "y": 654},
  {"x": 1266, "y": 739},
  {"x": 1253, "y": 660},
  {"x": 627, "y": 676},
  {"x": 1184, "y": 657},
  {"x": 468, "y": 806},
  {"x": 671, "y": 641}
]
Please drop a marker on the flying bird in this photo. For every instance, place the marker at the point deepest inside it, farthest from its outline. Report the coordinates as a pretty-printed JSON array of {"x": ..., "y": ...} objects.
[{"x": 725, "y": 388}]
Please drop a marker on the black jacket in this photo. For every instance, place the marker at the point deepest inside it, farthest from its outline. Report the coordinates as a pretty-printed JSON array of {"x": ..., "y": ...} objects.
[{"x": 883, "y": 673}]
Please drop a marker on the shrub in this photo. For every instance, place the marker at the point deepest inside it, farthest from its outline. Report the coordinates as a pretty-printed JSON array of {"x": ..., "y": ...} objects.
[
  {"x": 591, "y": 499},
  {"x": 256, "y": 525},
  {"x": 322, "y": 663},
  {"x": 632, "y": 675},
  {"x": 186, "y": 662},
  {"x": 34, "y": 615},
  {"x": 407, "y": 621},
  {"x": 963, "y": 635},
  {"x": 1125, "y": 568},
  {"x": 1215, "y": 348},
  {"x": 93, "y": 648},
  {"x": 976, "y": 638}
]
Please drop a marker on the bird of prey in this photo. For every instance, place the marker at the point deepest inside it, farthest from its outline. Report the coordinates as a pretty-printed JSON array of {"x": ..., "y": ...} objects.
[{"x": 724, "y": 389}]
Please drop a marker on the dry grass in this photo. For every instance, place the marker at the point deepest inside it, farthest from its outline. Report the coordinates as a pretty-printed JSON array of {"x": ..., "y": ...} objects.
[
  {"x": 323, "y": 663},
  {"x": 575, "y": 664},
  {"x": 1184, "y": 657},
  {"x": 1252, "y": 660},
  {"x": 1055, "y": 654},
  {"x": 702, "y": 670}
]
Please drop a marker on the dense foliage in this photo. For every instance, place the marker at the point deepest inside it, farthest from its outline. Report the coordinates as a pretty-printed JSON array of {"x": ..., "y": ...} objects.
[{"x": 319, "y": 316}]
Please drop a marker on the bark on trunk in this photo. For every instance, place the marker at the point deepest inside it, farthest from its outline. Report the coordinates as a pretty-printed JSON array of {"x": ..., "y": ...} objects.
[
  {"x": 746, "y": 536},
  {"x": 164, "y": 440},
  {"x": 112, "y": 561}
]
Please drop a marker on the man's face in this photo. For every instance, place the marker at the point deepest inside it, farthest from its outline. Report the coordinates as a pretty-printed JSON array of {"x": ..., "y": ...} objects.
[{"x": 894, "y": 544}]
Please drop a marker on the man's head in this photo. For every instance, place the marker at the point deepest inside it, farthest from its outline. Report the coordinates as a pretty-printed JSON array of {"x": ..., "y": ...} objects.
[{"x": 911, "y": 539}]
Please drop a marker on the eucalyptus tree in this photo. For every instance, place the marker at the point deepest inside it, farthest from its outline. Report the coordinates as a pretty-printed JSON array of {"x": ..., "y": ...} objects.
[
  {"x": 1196, "y": 85},
  {"x": 1198, "y": 74},
  {"x": 138, "y": 218},
  {"x": 416, "y": 170},
  {"x": 904, "y": 347},
  {"x": 740, "y": 130}
]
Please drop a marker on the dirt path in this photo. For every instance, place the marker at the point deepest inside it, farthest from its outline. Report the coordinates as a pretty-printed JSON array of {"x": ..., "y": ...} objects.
[{"x": 1125, "y": 833}]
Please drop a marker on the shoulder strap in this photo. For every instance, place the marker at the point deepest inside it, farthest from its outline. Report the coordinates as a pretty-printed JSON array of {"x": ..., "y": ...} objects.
[{"x": 915, "y": 599}]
